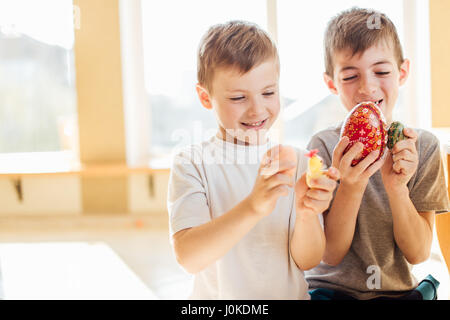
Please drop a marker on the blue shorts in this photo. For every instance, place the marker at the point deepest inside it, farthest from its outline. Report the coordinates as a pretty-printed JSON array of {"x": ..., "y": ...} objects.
[{"x": 426, "y": 290}]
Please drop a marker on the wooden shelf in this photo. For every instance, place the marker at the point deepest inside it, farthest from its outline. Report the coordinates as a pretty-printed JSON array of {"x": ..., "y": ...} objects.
[{"x": 16, "y": 166}]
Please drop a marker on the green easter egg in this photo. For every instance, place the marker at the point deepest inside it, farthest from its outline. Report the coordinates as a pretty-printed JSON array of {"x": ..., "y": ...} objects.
[{"x": 395, "y": 134}]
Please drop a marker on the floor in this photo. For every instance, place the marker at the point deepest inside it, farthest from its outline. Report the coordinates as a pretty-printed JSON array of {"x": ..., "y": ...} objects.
[
  {"x": 108, "y": 257},
  {"x": 57, "y": 259}
]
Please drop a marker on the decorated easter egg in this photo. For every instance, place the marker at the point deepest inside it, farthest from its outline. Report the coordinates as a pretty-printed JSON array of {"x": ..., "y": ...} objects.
[
  {"x": 275, "y": 156},
  {"x": 315, "y": 165},
  {"x": 366, "y": 124},
  {"x": 395, "y": 134}
]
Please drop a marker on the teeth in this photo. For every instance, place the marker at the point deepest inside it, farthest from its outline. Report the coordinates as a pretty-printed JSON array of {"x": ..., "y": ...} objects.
[{"x": 256, "y": 124}]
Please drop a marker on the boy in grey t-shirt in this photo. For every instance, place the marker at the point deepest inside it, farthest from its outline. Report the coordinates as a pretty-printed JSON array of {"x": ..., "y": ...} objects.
[{"x": 382, "y": 215}]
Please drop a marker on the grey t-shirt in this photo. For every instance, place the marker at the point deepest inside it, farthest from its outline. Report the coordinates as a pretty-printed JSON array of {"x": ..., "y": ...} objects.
[{"x": 374, "y": 254}]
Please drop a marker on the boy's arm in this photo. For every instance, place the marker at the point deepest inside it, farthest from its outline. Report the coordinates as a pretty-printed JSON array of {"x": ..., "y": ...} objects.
[
  {"x": 340, "y": 221},
  {"x": 413, "y": 231},
  {"x": 198, "y": 247},
  {"x": 308, "y": 239}
]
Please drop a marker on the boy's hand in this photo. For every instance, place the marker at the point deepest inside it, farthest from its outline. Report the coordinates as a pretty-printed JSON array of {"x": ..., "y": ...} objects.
[
  {"x": 358, "y": 176},
  {"x": 401, "y": 162},
  {"x": 270, "y": 184},
  {"x": 315, "y": 200}
]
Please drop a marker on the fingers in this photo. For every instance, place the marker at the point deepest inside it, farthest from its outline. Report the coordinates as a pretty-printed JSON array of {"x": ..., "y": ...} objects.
[
  {"x": 301, "y": 187},
  {"x": 275, "y": 167},
  {"x": 316, "y": 205},
  {"x": 367, "y": 161},
  {"x": 323, "y": 183},
  {"x": 318, "y": 194},
  {"x": 405, "y": 155},
  {"x": 351, "y": 154},
  {"x": 410, "y": 133},
  {"x": 270, "y": 155},
  {"x": 339, "y": 150},
  {"x": 279, "y": 179},
  {"x": 280, "y": 191},
  {"x": 317, "y": 198},
  {"x": 333, "y": 173},
  {"x": 405, "y": 167},
  {"x": 375, "y": 166},
  {"x": 408, "y": 144}
]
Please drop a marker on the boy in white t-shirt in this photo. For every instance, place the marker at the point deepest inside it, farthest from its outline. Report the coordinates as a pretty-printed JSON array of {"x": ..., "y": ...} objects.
[{"x": 235, "y": 221}]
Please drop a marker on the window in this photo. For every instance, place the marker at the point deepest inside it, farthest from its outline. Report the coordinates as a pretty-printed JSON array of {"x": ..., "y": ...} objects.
[{"x": 37, "y": 93}]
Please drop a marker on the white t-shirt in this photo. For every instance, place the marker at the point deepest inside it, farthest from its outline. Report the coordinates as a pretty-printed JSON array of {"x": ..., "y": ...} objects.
[{"x": 206, "y": 181}]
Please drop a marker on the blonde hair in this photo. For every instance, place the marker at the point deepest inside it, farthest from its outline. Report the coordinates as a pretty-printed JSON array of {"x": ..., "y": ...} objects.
[
  {"x": 235, "y": 44},
  {"x": 358, "y": 29}
]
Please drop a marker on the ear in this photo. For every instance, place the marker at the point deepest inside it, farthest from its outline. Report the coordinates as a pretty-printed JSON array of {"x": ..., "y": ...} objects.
[
  {"x": 404, "y": 72},
  {"x": 204, "y": 97},
  {"x": 329, "y": 83}
]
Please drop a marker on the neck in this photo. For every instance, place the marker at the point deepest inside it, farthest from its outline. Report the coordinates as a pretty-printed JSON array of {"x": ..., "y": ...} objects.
[{"x": 249, "y": 139}]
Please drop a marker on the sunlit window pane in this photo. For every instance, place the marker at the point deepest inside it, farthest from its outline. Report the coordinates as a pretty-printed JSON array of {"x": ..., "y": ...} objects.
[{"x": 37, "y": 93}]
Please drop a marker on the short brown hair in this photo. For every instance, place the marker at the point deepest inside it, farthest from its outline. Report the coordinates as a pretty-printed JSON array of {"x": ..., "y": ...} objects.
[
  {"x": 358, "y": 29},
  {"x": 238, "y": 44}
]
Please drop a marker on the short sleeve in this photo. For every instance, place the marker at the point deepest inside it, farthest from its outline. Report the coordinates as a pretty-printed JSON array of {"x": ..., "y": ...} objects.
[
  {"x": 301, "y": 168},
  {"x": 187, "y": 202},
  {"x": 428, "y": 189},
  {"x": 325, "y": 141},
  {"x": 318, "y": 143}
]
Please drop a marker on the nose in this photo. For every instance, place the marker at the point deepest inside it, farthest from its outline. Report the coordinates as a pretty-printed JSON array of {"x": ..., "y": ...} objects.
[
  {"x": 255, "y": 108},
  {"x": 367, "y": 85}
]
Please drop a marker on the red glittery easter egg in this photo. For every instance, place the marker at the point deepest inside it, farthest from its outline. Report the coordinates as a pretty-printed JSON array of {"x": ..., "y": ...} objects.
[{"x": 365, "y": 123}]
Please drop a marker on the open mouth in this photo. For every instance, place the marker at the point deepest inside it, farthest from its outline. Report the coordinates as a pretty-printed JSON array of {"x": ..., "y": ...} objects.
[
  {"x": 254, "y": 125},
  {"x": 376, "y": 102}
]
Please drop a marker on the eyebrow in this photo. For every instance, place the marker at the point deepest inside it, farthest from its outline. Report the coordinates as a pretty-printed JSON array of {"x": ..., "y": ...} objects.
[{"x": 375, "y": 64}]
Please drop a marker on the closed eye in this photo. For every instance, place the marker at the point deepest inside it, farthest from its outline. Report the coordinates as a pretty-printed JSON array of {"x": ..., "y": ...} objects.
[
  {"x": 237, "y": 98},
  {"x": 268, "y": 93},
  {"x": 382, "y": 73},
  {"x": 349, "y": 78}
]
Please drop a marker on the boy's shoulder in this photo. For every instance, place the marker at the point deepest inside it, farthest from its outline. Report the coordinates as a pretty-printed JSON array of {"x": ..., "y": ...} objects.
[
  {"x": 191, "y": 154},
  {"x": 426, "y": 136},
  {"x": 327, "y": 138},
  {"x": 427, "y": 143},
  {"x": 331, "y": 132}
]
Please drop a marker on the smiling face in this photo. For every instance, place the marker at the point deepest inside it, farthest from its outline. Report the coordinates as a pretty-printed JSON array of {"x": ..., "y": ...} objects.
[
  {"x": 246, "y": 105},
  {"x": 372, "y": 75}
]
